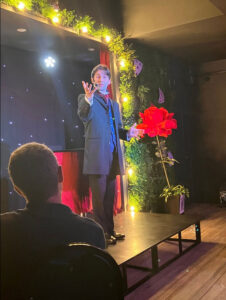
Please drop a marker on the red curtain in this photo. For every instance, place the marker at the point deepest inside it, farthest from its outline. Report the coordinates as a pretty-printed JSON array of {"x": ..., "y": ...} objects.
[{"x": 75, "y": 193}]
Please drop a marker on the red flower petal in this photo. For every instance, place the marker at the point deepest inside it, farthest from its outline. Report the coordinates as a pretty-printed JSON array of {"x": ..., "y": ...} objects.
[{"x": 157, "y": 121}]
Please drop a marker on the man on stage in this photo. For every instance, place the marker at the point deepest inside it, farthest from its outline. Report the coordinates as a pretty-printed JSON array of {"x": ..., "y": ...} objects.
[{"x": 103, "y": 155}]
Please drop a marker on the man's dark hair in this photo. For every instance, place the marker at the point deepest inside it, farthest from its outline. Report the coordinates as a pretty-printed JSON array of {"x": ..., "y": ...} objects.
[
  {"x": 101, "y": 67},
  {"x": 33, "y": 168}
]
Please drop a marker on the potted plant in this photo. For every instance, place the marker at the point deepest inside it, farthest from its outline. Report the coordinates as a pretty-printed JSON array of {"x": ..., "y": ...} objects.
[
  {"x": 158, "y": 122},
  {"x": 175, "y": 198}
]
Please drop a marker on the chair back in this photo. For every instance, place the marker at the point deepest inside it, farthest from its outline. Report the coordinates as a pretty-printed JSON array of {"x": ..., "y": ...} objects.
[{"x": 78, "y": 271}]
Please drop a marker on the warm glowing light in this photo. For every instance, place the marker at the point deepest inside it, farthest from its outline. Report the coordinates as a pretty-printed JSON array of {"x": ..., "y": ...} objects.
[
  {"x": 50, "y": 62},
  {"x": 84, "y": 29},
  {"x": 55, "y": 19},
  {"x": 130, "y": 171},
  {"x": 21, "y": 29},
  {"x": 107, "y": 38},
  {"x": 132, "y": 213},
  {"x": 132, "y": 208},
  {"x": 21, "y": 6},
  {"x": 125, "y": 99},
  {"x": 122, "y": 63}
]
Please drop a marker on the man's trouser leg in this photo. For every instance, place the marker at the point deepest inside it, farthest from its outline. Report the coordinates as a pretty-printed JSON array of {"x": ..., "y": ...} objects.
[
  {"x": 98, "y": 187},
  {"x": 109, "y": 202}
]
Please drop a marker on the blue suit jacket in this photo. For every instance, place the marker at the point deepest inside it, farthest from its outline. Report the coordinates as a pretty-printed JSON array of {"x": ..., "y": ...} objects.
[{"x": 98, "y": 134}]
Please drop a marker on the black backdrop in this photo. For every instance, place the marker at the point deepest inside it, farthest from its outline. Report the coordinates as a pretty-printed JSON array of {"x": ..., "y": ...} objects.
[{"x": 39, "y": 104}]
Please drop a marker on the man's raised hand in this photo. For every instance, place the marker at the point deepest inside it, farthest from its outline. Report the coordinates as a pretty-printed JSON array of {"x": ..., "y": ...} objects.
[{"x": 88, "y": 90}]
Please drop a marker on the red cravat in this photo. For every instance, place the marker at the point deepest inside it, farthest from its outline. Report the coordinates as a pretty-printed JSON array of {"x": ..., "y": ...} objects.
[{"x": 104, "y": 96}]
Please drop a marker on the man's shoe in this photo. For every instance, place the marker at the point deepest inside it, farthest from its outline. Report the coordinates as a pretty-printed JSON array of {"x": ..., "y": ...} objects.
[
  {"x": 110, "y": 240},
  {"x": 118, "y": 236}
]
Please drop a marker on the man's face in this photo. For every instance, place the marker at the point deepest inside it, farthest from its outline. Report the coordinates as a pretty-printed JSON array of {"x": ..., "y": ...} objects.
[{"x": 102, "y": 80}]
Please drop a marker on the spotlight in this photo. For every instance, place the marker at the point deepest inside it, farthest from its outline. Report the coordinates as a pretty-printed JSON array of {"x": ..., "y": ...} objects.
[{"x": 50, "y": 62}]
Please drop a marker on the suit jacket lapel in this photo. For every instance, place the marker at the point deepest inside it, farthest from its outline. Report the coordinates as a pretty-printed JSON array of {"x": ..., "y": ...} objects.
[
  {"x": 101, "y": 101},
  {"x": 113, "y": 107}
]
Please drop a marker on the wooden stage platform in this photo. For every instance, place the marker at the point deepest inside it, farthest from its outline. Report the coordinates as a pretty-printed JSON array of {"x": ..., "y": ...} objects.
[{"x": 145, "y": 232}]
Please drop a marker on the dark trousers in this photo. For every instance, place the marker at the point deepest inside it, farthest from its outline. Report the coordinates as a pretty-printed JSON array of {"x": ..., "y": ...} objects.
[{"x": 103, "y": 194}]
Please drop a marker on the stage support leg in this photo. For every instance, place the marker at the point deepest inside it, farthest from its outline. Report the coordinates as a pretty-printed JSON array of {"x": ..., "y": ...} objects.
[
  {"x": 156, "y": 266},
  {"x": 154, "y": 255},
  {"x": 180, "y": 243},
  {"x": 198, "y": 232},
  {"x": 124, "y": 276}
]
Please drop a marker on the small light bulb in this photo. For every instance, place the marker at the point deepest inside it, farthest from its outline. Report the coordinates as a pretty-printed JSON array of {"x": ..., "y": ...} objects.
[
  {"x": 107, "y": 38},
  {"x": 122, "y": 63},
  {"x": 130, "y": 171},
  {"x": 84, "y": 29},
  {"x": 125, "y": 99},
  {"x": 21, "y": 6},
  {"x": 132, "y": 208},
  {"x": 55, "y": 19}
]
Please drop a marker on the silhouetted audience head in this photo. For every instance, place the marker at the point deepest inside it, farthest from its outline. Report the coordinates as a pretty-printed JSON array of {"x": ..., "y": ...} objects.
[{"x": 35, "y": 173}]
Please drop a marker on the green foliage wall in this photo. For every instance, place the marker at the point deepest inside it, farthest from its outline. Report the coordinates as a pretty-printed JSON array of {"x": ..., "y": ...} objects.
[{"x": 175, "y": 79}]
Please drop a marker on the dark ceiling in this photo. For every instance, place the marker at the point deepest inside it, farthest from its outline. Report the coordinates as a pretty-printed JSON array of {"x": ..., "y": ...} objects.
[
  {"x": 45, "y": 39},
  {"x": 194, "y": 30}
]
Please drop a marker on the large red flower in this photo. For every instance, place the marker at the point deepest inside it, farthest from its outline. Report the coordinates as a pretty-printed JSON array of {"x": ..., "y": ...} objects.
[{"x": 157, "y": 121}]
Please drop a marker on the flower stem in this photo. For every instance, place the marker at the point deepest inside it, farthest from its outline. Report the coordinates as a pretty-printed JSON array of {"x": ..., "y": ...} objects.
[{"x": 163, "y": 164}]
